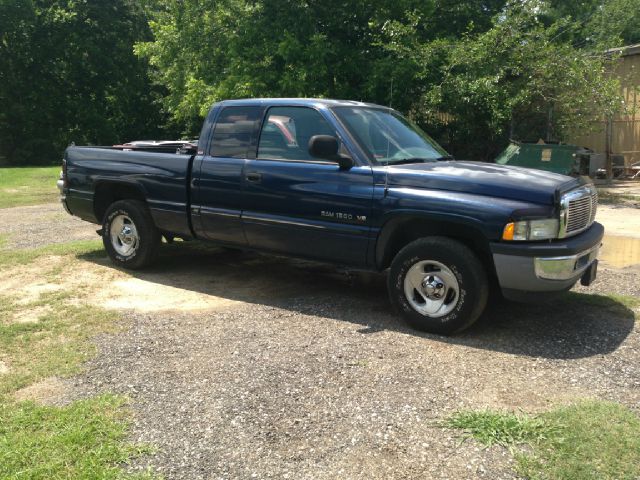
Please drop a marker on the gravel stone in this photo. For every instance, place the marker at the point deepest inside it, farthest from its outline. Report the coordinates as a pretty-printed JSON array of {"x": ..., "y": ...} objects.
[{"x": 40, "y": 225}]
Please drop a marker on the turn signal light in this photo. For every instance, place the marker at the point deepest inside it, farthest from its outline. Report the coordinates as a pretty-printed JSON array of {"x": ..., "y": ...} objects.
[{"x": 507, "y": 233}]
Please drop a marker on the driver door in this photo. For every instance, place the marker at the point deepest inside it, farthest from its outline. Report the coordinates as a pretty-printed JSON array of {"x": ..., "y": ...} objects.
[{"x": 300, "y": 205}]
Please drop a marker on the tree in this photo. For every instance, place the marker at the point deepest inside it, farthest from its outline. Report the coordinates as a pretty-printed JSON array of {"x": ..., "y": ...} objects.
[
  {"x": 475, "y": 72},
  {"x": 204, "y": 51},
  {"x": 68, "y": 73},
  {"x": 598, "y": 25},
  {"x": 519, "y": 80}
]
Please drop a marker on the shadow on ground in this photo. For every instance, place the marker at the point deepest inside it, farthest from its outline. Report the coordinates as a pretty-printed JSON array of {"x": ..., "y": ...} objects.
[{"x": 574, "y": 325}]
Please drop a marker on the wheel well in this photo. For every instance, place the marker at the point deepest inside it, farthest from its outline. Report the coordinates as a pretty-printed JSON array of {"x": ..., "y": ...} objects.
[
  {"x": 406, "y": 231},
  {"x": 108, "y": 193}
]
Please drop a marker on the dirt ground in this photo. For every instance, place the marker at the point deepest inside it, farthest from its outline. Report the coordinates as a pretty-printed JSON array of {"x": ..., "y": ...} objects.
[
  {"x": 241, "y": 365},
  {"x": 620, "y": 220},
  {"x": 624, "y": 187}
]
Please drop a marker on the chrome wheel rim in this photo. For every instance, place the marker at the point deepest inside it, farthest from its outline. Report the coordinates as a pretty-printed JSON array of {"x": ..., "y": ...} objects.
[
  {"x": 431, "y": 288},
  {"x": 124, "y": 235}
]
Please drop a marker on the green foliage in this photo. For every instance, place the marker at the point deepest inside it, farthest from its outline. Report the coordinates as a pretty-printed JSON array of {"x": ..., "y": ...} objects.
[
  {"x": 505, "y": 429},
  {"x": 28, "y": 185},
  {"x": 474, "y": 73},
  {"x": 588, "y": 440},
  {"x": 206, "y": 51},
  {"x": 86, "y": 439},
  {"x": 68, "y": 73},
  {"x": 517, "y": 81},
  {"x": 598, "y": 25}
]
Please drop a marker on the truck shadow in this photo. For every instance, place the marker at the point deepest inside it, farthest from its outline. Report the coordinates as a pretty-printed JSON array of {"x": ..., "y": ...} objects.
[{"x": 573, "y": 326}]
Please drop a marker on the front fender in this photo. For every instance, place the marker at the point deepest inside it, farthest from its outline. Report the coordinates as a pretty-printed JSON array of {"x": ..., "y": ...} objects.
[{"x": 408, "y": 213}]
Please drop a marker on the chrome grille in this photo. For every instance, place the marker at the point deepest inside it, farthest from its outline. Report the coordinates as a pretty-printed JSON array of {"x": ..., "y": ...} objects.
[{"x": 578, "y": 210}]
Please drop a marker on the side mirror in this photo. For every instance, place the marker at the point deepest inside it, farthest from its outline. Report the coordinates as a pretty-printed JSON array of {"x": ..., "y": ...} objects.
[{"x": 327, "y": 147}]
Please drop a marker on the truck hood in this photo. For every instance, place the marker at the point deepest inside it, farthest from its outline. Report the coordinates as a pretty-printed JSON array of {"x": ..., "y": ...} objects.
[{"x": 502, "y": 181}]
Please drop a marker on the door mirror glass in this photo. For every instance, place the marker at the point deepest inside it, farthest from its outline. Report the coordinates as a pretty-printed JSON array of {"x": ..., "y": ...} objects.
[
  {"x": 327, "y": 147},
  {"x": 324, "y": 146}
]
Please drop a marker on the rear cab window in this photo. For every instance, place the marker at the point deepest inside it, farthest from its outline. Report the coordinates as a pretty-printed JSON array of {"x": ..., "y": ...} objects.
[{"x": 234, "y": 132}]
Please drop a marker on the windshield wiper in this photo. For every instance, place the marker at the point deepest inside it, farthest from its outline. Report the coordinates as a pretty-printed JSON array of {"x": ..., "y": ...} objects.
[
  {"x": 444, "y": 158},
  {"x": 405, "y": 161}
]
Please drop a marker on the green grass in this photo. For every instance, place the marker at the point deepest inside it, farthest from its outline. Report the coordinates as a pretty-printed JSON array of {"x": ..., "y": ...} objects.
[
  {"x": 493, "y": 428},
  {"x": 55, "y": 344},
  {"x": 85, "y": 440},
  {"x": 84, "y": 248},
  {"x": 28, "y": 185},
  {"x": 586, "y": 441}
]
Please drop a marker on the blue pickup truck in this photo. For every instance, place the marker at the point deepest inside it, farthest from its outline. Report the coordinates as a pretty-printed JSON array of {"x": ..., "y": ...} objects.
[{"x": 350, "y": 183}]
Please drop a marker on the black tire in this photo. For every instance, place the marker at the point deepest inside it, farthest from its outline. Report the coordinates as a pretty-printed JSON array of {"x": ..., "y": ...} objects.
[
  {"x": 147, "y": 237},
  {"x": 466, "y": 305}
]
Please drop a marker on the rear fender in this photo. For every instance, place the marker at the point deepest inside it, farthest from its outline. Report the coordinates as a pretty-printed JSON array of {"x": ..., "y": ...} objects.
[{"x": 110, "y": 191}]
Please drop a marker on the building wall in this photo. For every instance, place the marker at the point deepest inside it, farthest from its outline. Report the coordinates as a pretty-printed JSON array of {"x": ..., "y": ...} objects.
[{"x": 625, "y": 129}]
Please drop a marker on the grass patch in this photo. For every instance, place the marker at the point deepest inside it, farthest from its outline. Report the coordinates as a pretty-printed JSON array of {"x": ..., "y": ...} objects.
[
  {"x": 83, "y": 440},
  {"x": 86, "y": 439},
  {"x": 588, "y": 440},
  {"x": 493, "y": 428},
  {"x": 53, "y": 344},
  {"x": 84, "y": 248},
  {"x": 28, "y": 185}
]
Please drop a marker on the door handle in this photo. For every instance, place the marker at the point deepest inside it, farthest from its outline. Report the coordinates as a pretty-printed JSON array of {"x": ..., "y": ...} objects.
[{"x": 254, "y": 177}]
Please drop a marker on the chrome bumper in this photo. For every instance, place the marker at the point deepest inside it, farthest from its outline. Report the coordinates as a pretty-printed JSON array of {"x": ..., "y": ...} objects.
[
  {"x": 564, "y": 268},
  {"x": 63, "y": 196}
]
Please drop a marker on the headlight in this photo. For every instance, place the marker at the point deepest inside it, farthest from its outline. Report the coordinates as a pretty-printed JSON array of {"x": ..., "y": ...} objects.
[{"x": 544, "y": 229}]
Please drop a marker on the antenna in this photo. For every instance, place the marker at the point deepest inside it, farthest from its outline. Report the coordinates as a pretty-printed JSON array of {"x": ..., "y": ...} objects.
[
  {"x": 386, "y": 179},
  {"x": 391, "y": 95}
]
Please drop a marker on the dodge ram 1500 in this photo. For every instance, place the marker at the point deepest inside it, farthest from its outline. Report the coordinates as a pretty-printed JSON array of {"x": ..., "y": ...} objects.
[{"x": 350, "y": 183}]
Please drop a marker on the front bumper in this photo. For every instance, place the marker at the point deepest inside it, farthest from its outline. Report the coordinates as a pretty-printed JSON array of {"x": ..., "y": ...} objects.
[
  {"x": 564, "y": 268},
  {"x": 530, "y": 268}
]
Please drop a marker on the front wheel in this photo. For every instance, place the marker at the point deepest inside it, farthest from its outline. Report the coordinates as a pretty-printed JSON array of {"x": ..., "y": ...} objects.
[
  {"x": 438, "y": 284},
  {"x": 129, "y": 234}
]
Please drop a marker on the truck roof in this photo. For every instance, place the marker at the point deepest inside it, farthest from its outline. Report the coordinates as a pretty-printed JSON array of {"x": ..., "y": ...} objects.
[{"x": 326, "y": 102}]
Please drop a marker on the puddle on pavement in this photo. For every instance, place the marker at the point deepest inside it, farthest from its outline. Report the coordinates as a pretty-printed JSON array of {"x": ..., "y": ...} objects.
[{"x": 620, "y": 252}]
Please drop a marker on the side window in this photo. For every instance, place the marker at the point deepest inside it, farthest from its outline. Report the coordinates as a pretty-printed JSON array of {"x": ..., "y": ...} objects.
[
  {"x": 286, "y": 132},
  {"x": 233, "y": 131}
]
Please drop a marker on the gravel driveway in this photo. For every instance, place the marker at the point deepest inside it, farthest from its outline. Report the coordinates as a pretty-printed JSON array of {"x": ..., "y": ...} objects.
[
  {"x": 318, "y": 379},
  {"x": 306, "y": 373},
  {"x": 40, "y": 225}
]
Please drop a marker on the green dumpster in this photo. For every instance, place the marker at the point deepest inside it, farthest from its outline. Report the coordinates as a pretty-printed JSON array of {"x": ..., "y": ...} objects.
[{"x": 558, "y": 158}]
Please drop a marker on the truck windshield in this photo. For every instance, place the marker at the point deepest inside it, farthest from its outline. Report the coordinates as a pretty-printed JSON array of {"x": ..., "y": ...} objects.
[{"x": 388, "y": 138}]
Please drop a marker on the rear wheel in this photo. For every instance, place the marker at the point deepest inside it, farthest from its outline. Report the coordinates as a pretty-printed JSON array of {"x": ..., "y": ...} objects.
[
  {"x": 438, "y": 284},
  {"x": 129, "y": 234}
]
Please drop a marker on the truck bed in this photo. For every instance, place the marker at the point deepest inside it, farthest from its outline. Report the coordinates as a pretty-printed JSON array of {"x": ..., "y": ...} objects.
[{"x": 160, "y": 178}]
